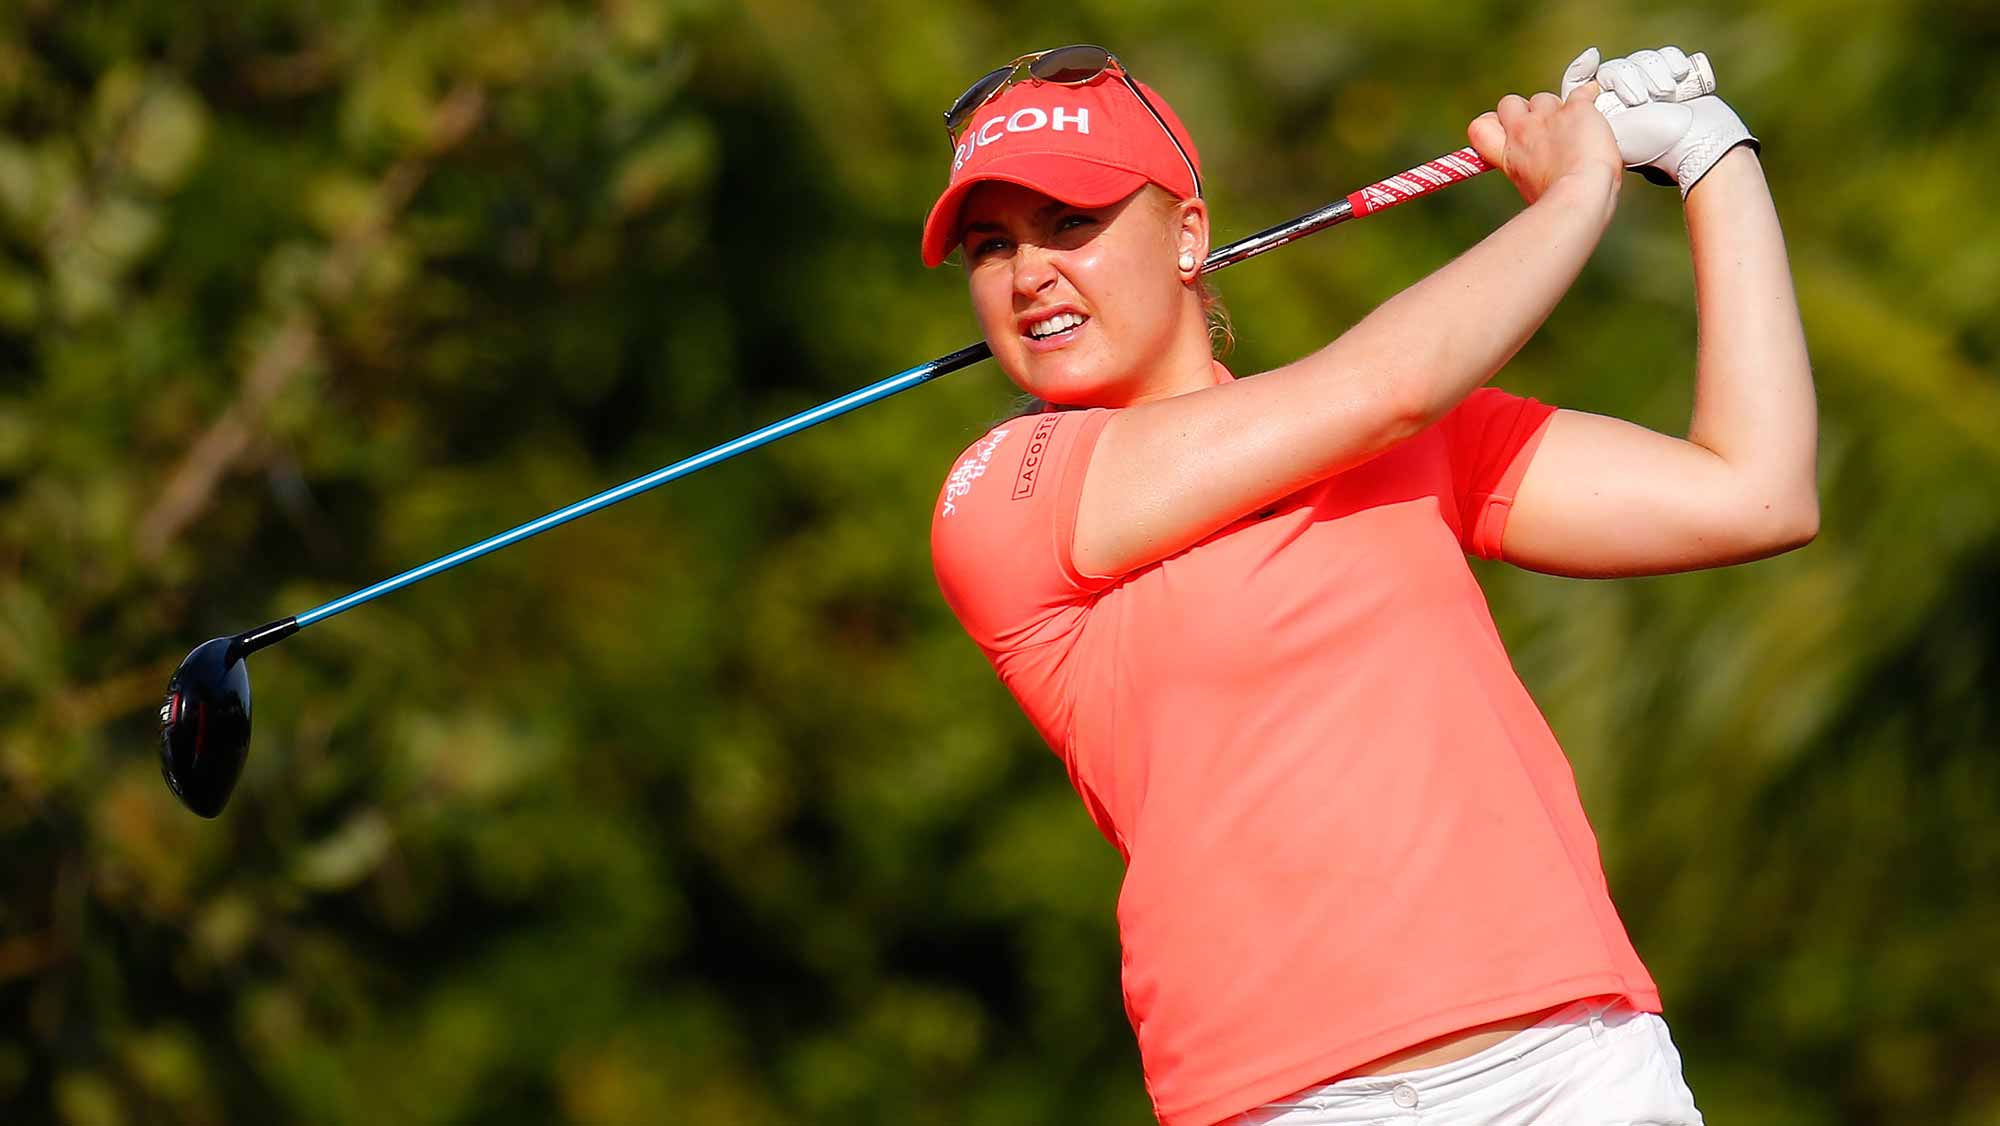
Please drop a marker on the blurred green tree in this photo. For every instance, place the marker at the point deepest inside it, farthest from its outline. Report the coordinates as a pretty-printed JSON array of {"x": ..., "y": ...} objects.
[{"x": 703, "y": 810}]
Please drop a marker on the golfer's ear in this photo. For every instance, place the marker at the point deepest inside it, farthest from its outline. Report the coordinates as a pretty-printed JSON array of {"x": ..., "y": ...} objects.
[{"x": 1192, "y": 237}]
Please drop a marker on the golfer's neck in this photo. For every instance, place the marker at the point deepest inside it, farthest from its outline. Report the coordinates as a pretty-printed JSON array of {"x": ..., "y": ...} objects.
[{"x": 1189, "y": 365}]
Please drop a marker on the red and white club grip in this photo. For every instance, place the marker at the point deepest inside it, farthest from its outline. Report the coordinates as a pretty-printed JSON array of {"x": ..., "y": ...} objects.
[{"x": 1425, "y": 178}]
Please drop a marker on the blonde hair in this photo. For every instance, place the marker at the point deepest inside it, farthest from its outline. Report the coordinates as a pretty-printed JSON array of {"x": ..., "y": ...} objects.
[{"x": 1221, "y": 332}]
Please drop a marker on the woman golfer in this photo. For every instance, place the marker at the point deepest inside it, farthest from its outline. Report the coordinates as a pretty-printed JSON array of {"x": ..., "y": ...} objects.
[{"x": 1360, "y": 886}]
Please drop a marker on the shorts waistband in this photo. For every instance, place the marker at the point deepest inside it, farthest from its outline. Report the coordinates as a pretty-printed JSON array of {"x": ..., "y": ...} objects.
[{"x": 1575, "y": 1025}]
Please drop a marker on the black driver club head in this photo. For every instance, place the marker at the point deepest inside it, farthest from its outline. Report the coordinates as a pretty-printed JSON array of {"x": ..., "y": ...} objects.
[{"x": 205, "y": 725}]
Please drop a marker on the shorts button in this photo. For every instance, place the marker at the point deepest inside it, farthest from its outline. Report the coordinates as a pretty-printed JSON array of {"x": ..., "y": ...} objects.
[{"x": 1405, "y": 1095}]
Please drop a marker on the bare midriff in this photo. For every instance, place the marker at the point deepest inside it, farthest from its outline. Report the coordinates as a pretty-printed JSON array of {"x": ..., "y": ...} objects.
[{"x": 1449, "y": 1047}]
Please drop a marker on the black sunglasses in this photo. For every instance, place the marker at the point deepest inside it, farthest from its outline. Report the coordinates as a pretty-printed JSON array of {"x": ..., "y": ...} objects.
[{"x": 1074, "y": 65}]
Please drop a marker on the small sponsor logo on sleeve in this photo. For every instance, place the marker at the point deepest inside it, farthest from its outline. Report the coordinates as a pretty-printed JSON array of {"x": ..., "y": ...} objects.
[
  {"x": 970, "y": 468},
  {"x": 1031, "y": 458}
]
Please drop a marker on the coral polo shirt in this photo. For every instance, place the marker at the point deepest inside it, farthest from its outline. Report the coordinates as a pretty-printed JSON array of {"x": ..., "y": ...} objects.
[{"x": 1347, "y": 828}]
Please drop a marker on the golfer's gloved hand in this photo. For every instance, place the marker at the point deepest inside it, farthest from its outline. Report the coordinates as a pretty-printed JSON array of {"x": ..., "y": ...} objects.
[{"x": 1670, "y": 126}]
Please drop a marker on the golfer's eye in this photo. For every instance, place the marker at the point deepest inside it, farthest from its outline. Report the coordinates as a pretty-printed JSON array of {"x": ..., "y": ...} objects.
[
  {"x": 980, "y": 248},
  {"x": 1076, "y": 227}
]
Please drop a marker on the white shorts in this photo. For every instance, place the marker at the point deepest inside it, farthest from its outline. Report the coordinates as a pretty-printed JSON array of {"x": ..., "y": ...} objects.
[{"x": 1596, "y": 1062}]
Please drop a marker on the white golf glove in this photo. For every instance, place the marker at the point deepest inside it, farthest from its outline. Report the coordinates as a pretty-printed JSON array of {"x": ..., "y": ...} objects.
[{"x": 1670, "y": 126}]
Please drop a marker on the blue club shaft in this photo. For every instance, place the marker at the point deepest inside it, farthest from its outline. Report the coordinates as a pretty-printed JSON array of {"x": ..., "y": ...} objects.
[{"x": 901, "y": 381}]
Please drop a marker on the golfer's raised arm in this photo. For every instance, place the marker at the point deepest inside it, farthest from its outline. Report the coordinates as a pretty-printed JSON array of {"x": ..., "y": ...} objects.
[
  {"x": 1604, "y": 497},
  {"x": 1167, "y": 474}
]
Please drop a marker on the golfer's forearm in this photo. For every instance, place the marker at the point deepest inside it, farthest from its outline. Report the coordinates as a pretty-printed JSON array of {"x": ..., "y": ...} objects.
[
  {"x": 1443, "y": 337},
  {"x": 1753, "y": 403}
]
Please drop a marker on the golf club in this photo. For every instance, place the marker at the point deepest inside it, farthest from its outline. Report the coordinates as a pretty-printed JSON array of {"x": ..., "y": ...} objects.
[{"x": 205, "y": 720}]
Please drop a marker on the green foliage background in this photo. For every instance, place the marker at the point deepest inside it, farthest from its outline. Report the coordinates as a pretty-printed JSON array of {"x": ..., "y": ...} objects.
[{"x": 702, "y": 810}]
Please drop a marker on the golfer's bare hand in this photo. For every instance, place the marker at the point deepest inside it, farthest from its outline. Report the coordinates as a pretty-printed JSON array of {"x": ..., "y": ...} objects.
[{"x": 1537, "y": 141}]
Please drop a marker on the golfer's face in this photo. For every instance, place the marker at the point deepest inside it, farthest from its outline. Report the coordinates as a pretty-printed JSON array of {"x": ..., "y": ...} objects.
[{"x": 1077, "y": 303}]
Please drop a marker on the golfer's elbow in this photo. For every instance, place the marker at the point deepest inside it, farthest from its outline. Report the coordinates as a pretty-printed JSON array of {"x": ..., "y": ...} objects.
[
  {"x": 1785, "y": 523},
  {"x": 1802, "y": 524},
  {"x": 1406, "y": 402}
]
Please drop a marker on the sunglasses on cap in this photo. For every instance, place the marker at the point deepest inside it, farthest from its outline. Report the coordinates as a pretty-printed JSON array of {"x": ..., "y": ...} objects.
[{"x": 1074, "y": 65}]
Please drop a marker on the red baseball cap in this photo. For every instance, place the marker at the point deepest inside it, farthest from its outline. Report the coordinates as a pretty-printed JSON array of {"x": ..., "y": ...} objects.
[{"x": 1088, "y": 145}]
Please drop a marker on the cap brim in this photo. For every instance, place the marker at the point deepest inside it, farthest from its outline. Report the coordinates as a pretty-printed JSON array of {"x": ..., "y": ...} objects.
[{"x": 1064, "y": 176}]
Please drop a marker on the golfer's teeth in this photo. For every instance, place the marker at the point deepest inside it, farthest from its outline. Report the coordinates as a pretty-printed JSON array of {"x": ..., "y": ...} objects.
[{"x": 1054, "y": 324}]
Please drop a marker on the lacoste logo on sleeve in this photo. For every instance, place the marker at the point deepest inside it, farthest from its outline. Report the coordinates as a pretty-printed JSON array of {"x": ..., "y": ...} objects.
[{"x": 1031, "y": 458}]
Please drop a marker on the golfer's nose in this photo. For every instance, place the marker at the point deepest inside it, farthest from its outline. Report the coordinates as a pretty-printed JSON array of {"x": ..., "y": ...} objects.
[{"x": 1034, "y": 270}]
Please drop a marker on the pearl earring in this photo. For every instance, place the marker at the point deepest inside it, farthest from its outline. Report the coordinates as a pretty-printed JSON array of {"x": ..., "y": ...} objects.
[{"x": 1187, "y": 260}]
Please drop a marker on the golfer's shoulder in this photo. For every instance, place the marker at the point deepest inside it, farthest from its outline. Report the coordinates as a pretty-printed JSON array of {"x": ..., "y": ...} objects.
[
  {"x": 1015, "y": 469},
  {"x": 1000, "y": 534},
  {"x": 1008, "y": 504}
]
